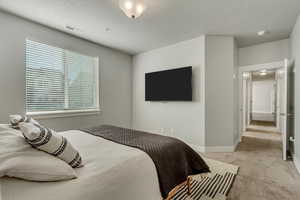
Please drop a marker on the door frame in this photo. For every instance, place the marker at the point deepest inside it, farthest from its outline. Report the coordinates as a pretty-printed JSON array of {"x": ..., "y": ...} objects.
[
  {"x": 288, "y": 112},
  {"x": 250, "y": 68}
]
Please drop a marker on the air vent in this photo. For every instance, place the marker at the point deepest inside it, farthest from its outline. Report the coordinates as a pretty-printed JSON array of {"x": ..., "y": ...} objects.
[{"x": 71, "y": 28}]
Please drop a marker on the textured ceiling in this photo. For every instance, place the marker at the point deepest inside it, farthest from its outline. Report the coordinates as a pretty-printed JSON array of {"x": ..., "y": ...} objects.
[{"x": 164, "y": 23}]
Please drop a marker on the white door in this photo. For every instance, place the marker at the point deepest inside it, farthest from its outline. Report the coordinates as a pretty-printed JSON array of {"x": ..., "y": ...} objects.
[
  {"x": 284, "y": 113},
  {"x": 274, "y": 102},
  {"x": 250, "y": 100}
]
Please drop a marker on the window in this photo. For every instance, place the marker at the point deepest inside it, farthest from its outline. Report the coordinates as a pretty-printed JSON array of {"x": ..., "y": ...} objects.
[{"x": 59, "y": 80}]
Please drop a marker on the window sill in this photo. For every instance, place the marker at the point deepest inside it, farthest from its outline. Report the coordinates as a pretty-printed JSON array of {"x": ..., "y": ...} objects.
[{"x": 63, "y": 113}]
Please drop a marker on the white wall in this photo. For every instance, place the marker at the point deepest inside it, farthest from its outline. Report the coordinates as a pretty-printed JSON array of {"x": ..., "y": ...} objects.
[
  {"x": 184, "y": 119},
  {"x": 115, "y": 74},
  {"x": 263, "y": 96},
  {"x": 264, "y": 53},
  {"x": 210, "y": 119},
  {"x": 281, "y": 101},
  {"x": 295, "y": 52},
  {"x": 220, "y": 92},
  {"x": 236, "y": 97}
]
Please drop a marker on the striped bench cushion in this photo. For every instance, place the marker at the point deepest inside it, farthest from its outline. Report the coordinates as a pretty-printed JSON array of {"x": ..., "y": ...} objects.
[
  {"x": 51, "y": 142},
  {"x": 15, "y": 120}
]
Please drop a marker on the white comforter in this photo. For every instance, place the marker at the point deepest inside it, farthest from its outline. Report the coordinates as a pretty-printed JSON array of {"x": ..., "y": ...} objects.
[{"x": 111, "y": 172}]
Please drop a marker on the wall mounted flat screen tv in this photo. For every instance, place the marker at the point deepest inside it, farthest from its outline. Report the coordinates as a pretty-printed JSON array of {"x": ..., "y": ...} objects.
[{"x": 169, "y": 85}]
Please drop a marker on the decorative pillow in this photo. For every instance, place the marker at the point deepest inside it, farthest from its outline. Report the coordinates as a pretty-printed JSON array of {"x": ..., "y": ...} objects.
[
  {"x": 51, "y": 142},
  {"x": 15, "y": 120},
  {"x": 18, "y": 159}
]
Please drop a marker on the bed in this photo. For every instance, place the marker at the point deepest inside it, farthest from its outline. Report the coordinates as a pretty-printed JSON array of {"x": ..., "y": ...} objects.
[{"x": 111, "y": 171}]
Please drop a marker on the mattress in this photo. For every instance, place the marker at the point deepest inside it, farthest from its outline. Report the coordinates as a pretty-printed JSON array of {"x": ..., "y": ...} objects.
[{"x": 111, "y": 171}]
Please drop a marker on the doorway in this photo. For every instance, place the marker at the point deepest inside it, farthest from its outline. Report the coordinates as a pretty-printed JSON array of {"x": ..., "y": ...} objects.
[
  {"x": 264, "y": 102},
  {"x": 261, "y": 88}
]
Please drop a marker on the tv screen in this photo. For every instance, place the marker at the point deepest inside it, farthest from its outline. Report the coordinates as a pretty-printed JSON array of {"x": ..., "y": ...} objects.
[{"x": 169, "y": 85}]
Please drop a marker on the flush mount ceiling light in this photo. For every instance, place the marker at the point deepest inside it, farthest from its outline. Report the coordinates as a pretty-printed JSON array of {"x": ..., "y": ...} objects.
[
  {"x": 133, "y": 8},
  {"x": 263, "y": 72}
]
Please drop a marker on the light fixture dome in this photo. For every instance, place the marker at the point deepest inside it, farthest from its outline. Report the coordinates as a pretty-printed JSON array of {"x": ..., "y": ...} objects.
[{"x": 133, "y": 8}]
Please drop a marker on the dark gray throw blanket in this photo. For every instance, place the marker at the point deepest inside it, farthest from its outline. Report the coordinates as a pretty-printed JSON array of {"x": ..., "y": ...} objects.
[{"x": 174, "y": 160}]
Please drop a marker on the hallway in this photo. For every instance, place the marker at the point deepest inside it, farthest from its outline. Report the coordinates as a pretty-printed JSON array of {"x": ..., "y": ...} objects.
[{"x": 263, "y": 175}]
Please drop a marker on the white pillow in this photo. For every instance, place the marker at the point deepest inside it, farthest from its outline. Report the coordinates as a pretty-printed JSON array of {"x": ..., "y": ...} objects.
[
  {"x": 18, "y": 159},
  {"x": 15, "y": 120},
  {"x": 51, "y": 142}
]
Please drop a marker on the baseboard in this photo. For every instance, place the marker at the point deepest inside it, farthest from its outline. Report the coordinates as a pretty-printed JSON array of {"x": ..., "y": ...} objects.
[
  {"x": 203, "y": 149},
  {"x": 219, "y": 149},
  {"x": 216, "y": 149},
  {"x": 236, "y": 143},
  {"x": 297, "y": 163}
]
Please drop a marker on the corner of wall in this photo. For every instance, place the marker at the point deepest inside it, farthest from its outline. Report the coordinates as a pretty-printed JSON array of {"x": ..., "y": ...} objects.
[
  {"x": 224, "y": 48},
  {"x": 131, "y": 91},
  {"x": 204, "y": 92},
  {"x": 297, "y": 163}
]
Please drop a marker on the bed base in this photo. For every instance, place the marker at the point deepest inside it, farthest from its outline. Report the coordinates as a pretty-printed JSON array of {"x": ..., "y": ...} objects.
[{"x": 174, "y": 191}]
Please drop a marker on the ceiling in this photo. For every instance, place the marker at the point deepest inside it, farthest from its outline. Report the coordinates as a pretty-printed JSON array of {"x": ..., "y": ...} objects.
[{"x": 165, "y": 22}]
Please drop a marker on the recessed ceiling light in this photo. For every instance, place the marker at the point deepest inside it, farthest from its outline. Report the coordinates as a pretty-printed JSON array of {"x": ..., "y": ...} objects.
[{"x": 262, "y": 33}]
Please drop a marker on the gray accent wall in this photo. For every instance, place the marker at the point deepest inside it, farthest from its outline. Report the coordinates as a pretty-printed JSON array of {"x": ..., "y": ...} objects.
[
  {"x": 115, "y": 74},
  {"x": 236, "y": 98},
  {"x": 220, "y": 90},
  {"x": 264, "y": 53},
  {"x": 295, "y": 55}
]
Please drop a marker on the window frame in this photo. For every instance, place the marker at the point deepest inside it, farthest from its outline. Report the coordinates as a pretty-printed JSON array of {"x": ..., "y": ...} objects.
[{"x": 67, "y": 112}]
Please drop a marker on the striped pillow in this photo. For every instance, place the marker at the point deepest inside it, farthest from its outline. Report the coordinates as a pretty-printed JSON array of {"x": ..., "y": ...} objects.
[
  {"x": 49, "y": 141},
  {"x": 15, "y": 120}
]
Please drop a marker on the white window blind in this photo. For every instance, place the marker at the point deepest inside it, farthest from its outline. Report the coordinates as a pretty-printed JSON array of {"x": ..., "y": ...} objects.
[{"x": 59, "y": 80}]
